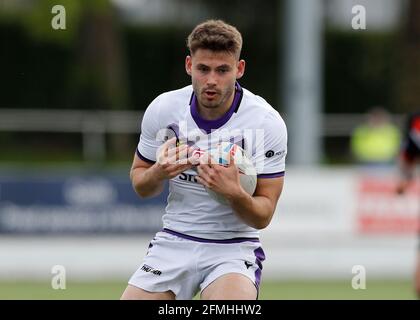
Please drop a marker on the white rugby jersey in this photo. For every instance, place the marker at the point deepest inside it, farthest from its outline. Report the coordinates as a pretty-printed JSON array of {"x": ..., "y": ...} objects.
[{"x": 250, "y": 122}]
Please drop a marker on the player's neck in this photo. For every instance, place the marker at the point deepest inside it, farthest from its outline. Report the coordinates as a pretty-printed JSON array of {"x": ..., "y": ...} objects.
[{"x": 215, "y": 113}]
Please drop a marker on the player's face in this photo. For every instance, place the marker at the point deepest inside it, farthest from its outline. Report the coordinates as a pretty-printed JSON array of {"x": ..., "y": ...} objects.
[{"x": 213, "y": 76}]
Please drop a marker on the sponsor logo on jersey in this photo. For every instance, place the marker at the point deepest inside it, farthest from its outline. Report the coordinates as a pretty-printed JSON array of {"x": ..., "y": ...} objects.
[
  {"x": 188, "y": 177},
  {"x": 248, "y": 264},
  {"x": 271, "y": 153},
  {"x": 147, "y": 268}
]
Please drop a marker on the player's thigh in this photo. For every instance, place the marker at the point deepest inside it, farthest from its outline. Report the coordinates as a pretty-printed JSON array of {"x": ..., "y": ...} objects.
[
  {"x": 231, "y": 286},
  {"x": 134, "y": 293}
]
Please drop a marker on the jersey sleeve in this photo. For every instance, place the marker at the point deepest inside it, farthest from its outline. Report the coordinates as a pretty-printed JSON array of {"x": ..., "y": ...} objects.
[
  {"x": 150, "y": 139},
  {"x": 271, "y": 147}
]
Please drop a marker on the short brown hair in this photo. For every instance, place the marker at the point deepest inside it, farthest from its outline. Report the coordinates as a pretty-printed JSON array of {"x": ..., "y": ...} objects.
[{"x": 215, "y": 35}]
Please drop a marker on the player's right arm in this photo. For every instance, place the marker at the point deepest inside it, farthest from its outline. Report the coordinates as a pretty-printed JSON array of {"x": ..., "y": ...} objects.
[
  {"x": 142, "y": 179},
  {"x": 148, "y": 178},
  {"x": 155, "y": 160}
]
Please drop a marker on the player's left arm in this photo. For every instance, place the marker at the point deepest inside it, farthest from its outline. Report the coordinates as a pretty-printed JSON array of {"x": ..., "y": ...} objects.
[
  {"x": 406, "y": 166},
  {"x": 258, "y": 210},
  {"x": 408, "y": 156}
]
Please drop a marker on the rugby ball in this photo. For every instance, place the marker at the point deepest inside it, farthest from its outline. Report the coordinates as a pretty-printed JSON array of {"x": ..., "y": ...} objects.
[{"x": 247, "y": 171}]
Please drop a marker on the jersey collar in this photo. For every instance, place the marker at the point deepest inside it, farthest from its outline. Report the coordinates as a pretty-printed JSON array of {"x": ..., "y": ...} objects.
[{"x": 208, "y": 125}]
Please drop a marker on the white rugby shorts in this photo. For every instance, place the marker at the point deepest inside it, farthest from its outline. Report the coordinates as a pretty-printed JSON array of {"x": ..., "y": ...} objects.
[{"x": 186, "y": 265}]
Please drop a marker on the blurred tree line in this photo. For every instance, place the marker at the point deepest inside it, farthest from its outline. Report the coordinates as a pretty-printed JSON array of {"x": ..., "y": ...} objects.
[
  {"x": 99, "y": 62},
  {"x": 102, "y": 62},
  {"x": 409, "y": 59},
  {"x": 80, "y": 67}
]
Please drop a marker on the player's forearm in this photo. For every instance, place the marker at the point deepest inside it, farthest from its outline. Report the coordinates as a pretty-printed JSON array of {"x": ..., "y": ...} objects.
[
  {"x": 407, "y": 168},
  {"x": 254, "y": 211},
  {"x": 146, "y": 182}
]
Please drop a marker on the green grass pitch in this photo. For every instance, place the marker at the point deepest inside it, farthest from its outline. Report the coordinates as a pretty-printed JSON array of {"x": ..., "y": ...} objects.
[{"x": 319, "y": 290}]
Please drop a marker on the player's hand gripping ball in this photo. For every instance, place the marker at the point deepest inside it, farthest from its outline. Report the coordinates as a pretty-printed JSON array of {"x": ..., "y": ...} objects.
[{"x": 247, "y": 171}]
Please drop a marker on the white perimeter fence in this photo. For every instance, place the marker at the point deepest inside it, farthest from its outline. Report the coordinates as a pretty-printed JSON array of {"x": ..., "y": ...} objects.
[{"x": 327, "y": 221}]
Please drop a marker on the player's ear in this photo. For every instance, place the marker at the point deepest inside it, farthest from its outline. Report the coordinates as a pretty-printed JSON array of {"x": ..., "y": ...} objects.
[
  {"x": 188, "y": 65},
  {"x": 241, "y": 69}
]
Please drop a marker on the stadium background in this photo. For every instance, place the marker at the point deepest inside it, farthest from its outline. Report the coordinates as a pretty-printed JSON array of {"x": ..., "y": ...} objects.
[{"x": 70, "y": 108}]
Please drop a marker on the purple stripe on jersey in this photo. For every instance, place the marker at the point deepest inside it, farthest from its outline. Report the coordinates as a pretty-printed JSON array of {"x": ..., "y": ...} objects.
[
  {"x": 144, "y": 158},
  {"x": 208, "y": 125},
  {"x": 259, "y": 258},
  {"x": 222, "y": 241},
  {"x": 271, "y": 175},
  {"x": 258, "y": 279}
]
